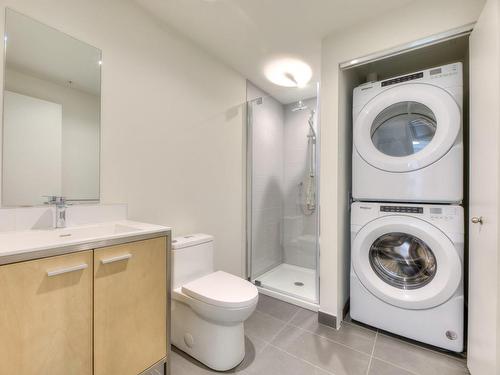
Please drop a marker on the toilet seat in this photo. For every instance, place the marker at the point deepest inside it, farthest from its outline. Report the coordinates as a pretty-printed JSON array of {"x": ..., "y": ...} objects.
[
  {"x": 223, "y": 290},
  {"x": 219, "y": 297}
]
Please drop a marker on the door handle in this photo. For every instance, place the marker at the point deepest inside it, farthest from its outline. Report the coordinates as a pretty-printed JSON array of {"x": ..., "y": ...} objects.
[
  {"x": 60, "y": 271},
  {"x": 116, "y": 259},
  {"x": 477, "y": 220}
]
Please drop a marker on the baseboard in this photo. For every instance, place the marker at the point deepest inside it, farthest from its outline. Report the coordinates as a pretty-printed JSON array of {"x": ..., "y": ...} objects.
[
  {"x": 289, "y": 299},
  {"x": 327, "y": 319},
  {"x": 345, "y": 310}
]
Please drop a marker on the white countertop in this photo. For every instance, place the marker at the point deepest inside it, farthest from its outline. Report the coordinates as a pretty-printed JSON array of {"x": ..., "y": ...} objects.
[{"x": 13, "y": 243}]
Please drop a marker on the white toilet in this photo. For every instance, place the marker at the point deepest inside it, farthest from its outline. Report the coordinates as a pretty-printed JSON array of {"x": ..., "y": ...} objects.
[{"x": 208, "y": 308}]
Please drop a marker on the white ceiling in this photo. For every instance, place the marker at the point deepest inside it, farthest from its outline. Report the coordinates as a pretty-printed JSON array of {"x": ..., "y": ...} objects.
[
  {"x": 41, "y": 51},
  {"x": 248, "y": 34}
]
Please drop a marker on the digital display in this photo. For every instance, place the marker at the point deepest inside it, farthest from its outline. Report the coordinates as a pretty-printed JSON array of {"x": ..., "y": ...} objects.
[
  {"x": 436, "y": 210},
  {"x": 402, "y": 79},
  {"x": 435, "y": 71},
  {"x": 402, "y": 209}
]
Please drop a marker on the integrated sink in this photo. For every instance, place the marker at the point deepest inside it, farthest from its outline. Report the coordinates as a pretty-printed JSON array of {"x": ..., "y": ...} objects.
[
  {"x": 21, "y": 243},
  {"x": 95, "y": 231}
]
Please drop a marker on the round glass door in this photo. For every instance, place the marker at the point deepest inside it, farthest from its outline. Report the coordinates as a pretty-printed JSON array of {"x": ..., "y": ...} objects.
[
  {"x": 406, "y": 262},
  {"x": 406, "y": 128},
  {"x": 402, "y": 260},
  {"x": 403, "y": 129}
]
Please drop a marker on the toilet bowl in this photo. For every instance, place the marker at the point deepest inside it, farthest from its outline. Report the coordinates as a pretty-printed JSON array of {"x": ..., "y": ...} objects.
[{"x": 208, "y": 308}]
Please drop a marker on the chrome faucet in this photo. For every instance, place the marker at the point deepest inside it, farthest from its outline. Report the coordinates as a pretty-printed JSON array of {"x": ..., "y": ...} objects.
[{"x": 60, "y": 204}]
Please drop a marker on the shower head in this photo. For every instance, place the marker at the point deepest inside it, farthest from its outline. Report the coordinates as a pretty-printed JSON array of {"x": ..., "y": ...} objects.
[{"x": 300, "y": 106}]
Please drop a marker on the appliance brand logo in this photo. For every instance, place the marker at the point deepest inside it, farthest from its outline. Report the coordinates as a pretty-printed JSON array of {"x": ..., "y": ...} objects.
[{"x": 365, "y": 207}]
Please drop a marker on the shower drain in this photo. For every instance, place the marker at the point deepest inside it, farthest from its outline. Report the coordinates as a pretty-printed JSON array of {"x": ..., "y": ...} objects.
[{"x": 299, "y": 283}]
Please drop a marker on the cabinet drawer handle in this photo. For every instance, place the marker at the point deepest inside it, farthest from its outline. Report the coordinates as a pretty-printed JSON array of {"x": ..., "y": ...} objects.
[
  {"x": 116, "y": 259},
  {"x": 60, "y": 271}
]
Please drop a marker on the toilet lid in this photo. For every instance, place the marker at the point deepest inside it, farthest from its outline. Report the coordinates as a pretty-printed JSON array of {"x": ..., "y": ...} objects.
[{"x": 222, "y": 289}]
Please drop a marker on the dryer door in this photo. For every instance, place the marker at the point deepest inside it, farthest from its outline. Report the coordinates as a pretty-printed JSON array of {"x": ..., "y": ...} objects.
[
  {"x": 406, "y": 262},
  {"x": 407, "y": 127}
]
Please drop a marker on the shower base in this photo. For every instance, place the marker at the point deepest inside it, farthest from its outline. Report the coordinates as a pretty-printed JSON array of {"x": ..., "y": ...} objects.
[{"x": 294, "y": 281}]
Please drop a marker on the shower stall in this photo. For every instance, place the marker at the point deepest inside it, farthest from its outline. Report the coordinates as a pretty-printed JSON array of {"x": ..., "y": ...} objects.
[{"x": 282, "y": 197}]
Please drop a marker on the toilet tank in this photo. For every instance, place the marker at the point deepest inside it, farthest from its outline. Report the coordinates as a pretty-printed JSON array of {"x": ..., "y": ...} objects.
[{"x": 192, "y": 257}]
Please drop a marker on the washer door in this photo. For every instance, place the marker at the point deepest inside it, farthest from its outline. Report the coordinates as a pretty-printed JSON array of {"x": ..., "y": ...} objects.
[
  {"x": 406, "y": 262},
  {"x": 407, "y": 127}
]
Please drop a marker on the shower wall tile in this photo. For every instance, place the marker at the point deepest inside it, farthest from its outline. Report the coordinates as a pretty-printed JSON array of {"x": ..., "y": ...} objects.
[
  {"x": 267, "y": 192},
  {"x": 299, "y": 235},
  {"x": 267, "y": 182}
]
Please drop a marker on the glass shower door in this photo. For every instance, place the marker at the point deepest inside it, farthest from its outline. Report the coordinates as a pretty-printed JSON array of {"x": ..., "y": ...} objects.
[{"x": 282, "y": 186}]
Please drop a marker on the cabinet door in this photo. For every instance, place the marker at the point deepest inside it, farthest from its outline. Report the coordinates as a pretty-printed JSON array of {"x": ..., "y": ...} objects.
[
  {"x": 46, "y": 316},
  {"x": 130, "y": 299},
  {"x": 483, "y": 349}
]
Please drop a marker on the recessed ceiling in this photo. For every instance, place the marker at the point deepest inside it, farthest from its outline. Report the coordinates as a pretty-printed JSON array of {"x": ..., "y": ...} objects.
[{"x": 249, "y": 34}]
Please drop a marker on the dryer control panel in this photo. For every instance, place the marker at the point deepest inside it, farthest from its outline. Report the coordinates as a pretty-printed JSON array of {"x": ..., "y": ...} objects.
[
  {"x": 406, "y": 78},
  {"x": 405, "y": 209}
]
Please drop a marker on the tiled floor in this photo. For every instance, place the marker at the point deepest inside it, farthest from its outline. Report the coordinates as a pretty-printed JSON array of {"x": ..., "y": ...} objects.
[{"x": 283, "y": 339}]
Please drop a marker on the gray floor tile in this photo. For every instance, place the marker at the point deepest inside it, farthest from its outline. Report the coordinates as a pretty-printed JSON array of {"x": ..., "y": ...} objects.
[
  {"x": 276, "y": 308},
  {"x": 416, "y": 359},
  {"x": 378, "y": 367},
  {"x": 348, "y": 320},
  {"x": 322, "y": 352},
  {"x": 263, "y": 326},
  {"x": 274, "y": 361},
  {"x": 252, "y": 352},
  {"x": 351, "y": 335},
  {"x": 182, "y": 364},
  {"x": 255, "y": 343}
]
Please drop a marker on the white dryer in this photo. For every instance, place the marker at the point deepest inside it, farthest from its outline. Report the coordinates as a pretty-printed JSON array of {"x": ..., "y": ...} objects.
[
  {"x": 407, "y": 138},
  {"x": 407, "y": 270}
]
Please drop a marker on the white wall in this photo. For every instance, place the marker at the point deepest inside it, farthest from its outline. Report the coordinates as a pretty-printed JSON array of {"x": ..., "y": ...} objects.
[
  {"x": 172, "y": 121},
  {"x": 80, "y": 132},
  {"x": 267, "y": 180},
  {"x": 418, "y": 20}
]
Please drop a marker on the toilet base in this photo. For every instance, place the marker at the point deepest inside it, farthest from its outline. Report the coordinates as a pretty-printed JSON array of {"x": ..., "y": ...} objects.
[{"x": 220, "y": 347}]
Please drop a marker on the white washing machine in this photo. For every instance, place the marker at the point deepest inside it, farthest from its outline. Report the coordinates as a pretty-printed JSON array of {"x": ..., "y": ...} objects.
[
  {"x": 407, "y": 138},
  {"x": 407, "y": 270}
]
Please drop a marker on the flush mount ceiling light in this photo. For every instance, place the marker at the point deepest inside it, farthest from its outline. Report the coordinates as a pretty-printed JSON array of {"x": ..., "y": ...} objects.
[{"x": 289, "y": 72}]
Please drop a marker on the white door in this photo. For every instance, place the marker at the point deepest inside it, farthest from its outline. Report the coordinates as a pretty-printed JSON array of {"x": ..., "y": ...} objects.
[{"x": 483, "y": 331}]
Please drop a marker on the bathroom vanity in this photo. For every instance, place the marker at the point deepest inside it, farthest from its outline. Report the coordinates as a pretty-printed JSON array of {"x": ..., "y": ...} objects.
[{"x": 85, "y": 300}]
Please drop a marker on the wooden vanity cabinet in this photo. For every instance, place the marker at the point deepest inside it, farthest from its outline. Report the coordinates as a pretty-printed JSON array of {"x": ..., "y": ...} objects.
[
  {"x": 101, "y": 312},
  {"x": 130, "y": 302},
  {"x": 46, "y": 316}
]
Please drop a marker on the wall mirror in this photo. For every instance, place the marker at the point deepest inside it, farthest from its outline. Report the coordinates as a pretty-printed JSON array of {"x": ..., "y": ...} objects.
[{"x": 51, "y": 115}]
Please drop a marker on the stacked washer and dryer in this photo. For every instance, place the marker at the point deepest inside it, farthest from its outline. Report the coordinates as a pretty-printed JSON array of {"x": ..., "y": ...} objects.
[{"x": 407, "y": 225}]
